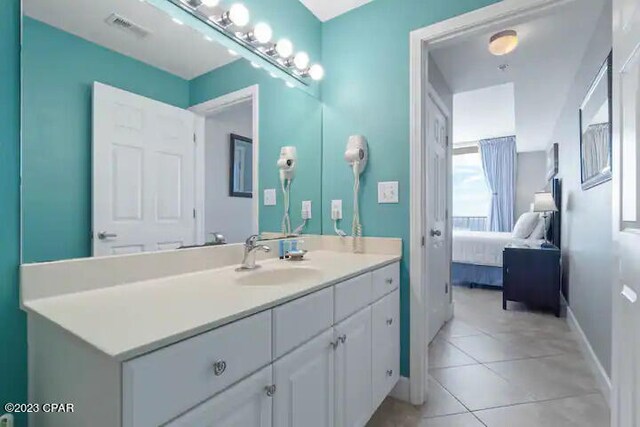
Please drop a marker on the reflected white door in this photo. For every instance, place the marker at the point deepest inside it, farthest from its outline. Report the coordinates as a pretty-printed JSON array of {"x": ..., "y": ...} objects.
[
  {"x": 143, "y": 173},
  {"x": 626, "y": 141},
  {"x": 437, "y": 252}
]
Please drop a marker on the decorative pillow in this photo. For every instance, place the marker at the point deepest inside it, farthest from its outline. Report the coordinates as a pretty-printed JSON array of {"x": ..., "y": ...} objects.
[
  {"x": 525, "y": 225},
  {"x": 538, "y": 230}
]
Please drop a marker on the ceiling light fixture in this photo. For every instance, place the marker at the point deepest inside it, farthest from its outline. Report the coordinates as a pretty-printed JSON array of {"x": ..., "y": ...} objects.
[
  {"x": 257, "y": 40},
  {"x": 503, "y": 42}
]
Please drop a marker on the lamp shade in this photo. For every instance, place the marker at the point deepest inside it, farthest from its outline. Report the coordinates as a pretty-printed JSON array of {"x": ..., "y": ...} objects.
[{"x": 543, "y": 202}]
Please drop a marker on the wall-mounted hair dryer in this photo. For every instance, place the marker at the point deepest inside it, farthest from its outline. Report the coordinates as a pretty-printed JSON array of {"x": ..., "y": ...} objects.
[
  {"x": 287, "y": 166},
  {"x": 357, "y": 155}
]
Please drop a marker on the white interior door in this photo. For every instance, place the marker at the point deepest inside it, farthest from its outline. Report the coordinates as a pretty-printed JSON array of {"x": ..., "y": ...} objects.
[
  {"x": 437, "y": 252},
  {"x": 143, "y": 173},
  {"x": 626, "y": 141}
]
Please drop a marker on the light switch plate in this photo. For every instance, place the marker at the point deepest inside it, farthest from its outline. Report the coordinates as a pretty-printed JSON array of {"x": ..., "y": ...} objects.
[
  {"x": 270, "y": 197},
  {"x": 388, "y": 192},
  {"x": 336, "y": 209},
  {"x": 306, "y": 209}
]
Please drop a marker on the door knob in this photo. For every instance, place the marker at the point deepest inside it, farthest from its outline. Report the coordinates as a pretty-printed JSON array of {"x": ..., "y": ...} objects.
[
  {"x": 102, "y": 235},
  {"x": 436, "y": 233}
]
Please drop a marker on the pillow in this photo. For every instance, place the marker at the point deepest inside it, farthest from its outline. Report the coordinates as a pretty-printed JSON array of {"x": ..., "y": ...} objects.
[
  {"x": 538, "y": 230},
  {"x": 525, "y": 225}
]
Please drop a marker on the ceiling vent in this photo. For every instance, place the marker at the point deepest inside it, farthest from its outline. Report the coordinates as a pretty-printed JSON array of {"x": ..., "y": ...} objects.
[{"x": 124, "y": 24}]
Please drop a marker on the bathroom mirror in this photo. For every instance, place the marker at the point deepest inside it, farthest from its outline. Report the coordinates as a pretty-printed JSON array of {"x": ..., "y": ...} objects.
[
  {"x": 126, "y": 121},
  {"x": 595, "y": 130}
]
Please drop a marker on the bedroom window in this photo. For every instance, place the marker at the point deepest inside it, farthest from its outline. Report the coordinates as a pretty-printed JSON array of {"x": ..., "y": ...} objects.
[{"x": 471, "y": 196}]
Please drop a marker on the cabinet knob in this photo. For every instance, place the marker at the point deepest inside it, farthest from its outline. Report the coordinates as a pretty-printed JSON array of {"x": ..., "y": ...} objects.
[
  {"x": 390, "y": 321},
  {"x": 389, "y": 281},
  {"x": 334, "y": 344},
  {"x": 389, "y": 372},
  {"x": 270, "y": 390},
  {"x": 342, "y": 338},
  {"x": 219, "y": 367}
]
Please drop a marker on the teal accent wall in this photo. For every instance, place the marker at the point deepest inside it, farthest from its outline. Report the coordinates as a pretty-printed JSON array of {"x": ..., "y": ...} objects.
[
  {"x": 59, "y": 70},
  {"x": 365, "y": 53},
  {"x": 287, "y": 117},
  {"x": 13, "y": 350}
]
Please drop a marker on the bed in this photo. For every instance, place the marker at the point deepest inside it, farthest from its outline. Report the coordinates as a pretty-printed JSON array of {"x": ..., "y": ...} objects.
[{"x": 477, "y": 255}]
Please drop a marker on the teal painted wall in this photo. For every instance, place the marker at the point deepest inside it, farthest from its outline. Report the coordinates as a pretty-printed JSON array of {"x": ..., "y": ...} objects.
[
  {"x": 59, "y": 70},
  {"x": 287, "y": 117},
  {"x": 366, "y": 91},
  {"x": 13, "y": 351}
]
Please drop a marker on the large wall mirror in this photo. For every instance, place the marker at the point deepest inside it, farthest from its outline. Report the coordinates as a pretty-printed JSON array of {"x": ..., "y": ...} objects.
[
  {"x": 126, "y": 122},
  {"x": 595, "y": 130}
]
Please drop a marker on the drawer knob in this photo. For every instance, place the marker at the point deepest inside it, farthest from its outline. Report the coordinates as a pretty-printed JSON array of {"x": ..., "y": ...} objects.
[
  {"x": 270, "y": 390},
  {"x": 335, "y": 344},
  {"x": 389, "y": 372},
  {"x": 390, "y": 321},
  {"x": 342, "y": 338},
  {"x": 389, "y": 280},
  {"x": 219, "y": 367}
]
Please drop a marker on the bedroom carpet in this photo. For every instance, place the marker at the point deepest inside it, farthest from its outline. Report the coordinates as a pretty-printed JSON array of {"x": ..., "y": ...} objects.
[{"x": 495, "y": 368}]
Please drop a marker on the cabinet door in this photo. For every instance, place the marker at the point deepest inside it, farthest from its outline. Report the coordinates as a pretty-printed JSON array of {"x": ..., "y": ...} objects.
[
  {"x": 246, "y": 404},
  {"x": 353, "y": 406},
  {"x": 385, "y": 346},
  {"x": 305, "y": 385}
]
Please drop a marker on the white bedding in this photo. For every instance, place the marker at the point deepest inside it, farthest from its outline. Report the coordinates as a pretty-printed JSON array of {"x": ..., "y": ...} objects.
[{"x": 484, "y": 247}]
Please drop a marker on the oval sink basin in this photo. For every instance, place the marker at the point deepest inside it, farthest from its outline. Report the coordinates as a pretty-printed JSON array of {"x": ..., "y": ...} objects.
[{"x": 280, "y": 277}]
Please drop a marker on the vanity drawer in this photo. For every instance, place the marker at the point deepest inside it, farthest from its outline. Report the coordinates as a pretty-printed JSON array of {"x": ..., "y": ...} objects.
[
  {"x": 385, "y": 280},
  {"x": 352, "y": 295},
  {"x": 163, "y": 384},
  {"x": 300, "y": 320}
]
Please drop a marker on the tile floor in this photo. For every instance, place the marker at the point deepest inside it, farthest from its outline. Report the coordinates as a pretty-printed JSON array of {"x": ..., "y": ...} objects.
[{"x": 495, "y": 368}]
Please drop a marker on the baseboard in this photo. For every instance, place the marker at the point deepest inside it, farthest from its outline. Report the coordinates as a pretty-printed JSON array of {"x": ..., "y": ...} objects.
[
  {"x": 604, "y": 382},
  {"x": 401, "y": 390}
]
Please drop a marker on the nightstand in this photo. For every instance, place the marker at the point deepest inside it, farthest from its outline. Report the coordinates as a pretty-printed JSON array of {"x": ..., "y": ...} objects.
[{"x": 531, "y": 275}]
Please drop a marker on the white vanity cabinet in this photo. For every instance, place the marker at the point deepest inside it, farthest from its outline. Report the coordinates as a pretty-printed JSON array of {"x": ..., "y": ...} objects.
[
  {"x": 246, "y": 404},
  {"x": 353, "y": 374},
  {"x": 304, "y": 382},
  {"x": 325, "y": 359}
]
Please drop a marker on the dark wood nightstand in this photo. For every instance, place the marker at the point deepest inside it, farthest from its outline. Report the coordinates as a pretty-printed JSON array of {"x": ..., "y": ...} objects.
[{"x": 532, "y": 276}]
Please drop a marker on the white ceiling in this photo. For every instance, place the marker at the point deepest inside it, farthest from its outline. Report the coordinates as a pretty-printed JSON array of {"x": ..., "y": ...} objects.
[
  {"x": 541, "y": 69},
  {"x": 484, "y": 113},
  {"x": 177, "y": 49},
  {"x": 328, "y": 9}
]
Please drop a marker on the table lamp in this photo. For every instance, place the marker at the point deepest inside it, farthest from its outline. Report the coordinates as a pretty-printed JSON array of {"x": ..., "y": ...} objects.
[{"x": 543, "y": 202}]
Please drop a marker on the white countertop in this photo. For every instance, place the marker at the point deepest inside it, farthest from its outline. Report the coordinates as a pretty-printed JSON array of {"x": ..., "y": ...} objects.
[{"x": 129, "y": 320}]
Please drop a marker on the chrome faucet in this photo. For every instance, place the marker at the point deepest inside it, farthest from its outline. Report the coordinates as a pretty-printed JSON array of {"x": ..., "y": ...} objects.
[{"x": 250, "y": 246}]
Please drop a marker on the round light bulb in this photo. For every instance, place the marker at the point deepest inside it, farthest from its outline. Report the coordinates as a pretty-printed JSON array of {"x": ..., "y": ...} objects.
[
  {"x": 262, "y": 33},
  {"x": 210, "y": 3},
  {"x": 284, "y": 48},
  {"x": 316, "y": 72},
  {"x": 301, "y": 61},
  {"x": 503, "y": 42},
  {"x": 239, "y": 14}
]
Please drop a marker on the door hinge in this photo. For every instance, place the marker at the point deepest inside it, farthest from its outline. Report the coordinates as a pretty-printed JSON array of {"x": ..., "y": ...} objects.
[
  {"x": 446, "y": 287},
  {"x": 194, "y": 213},
  {"x": 194, "y": 138},
  {"x": 447, "y": 140},
  {"x": 423, "y": 241}
]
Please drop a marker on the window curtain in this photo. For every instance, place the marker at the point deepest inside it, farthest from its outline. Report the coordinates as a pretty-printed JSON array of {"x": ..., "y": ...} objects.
[{"x": 499, "y": 166}]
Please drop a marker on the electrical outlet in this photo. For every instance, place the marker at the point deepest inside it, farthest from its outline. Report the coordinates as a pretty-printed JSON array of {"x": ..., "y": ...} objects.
[
  {"x": 388, "y": 192},
  {"x": 336, "y": 209},
  {"x": 270, "y": 197},
  {"x": 306, "y": 209}
]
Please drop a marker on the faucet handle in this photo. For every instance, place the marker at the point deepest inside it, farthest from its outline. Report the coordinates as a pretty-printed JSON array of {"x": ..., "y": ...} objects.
[{"x": 251, "y": 240}]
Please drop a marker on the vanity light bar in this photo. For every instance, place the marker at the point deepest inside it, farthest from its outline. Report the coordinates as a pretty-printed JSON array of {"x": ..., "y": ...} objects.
[{"x": 256, "y": 40}]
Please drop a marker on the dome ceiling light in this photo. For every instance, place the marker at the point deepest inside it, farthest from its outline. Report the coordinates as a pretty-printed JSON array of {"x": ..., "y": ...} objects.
[{"x": 503, "y": 43}]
